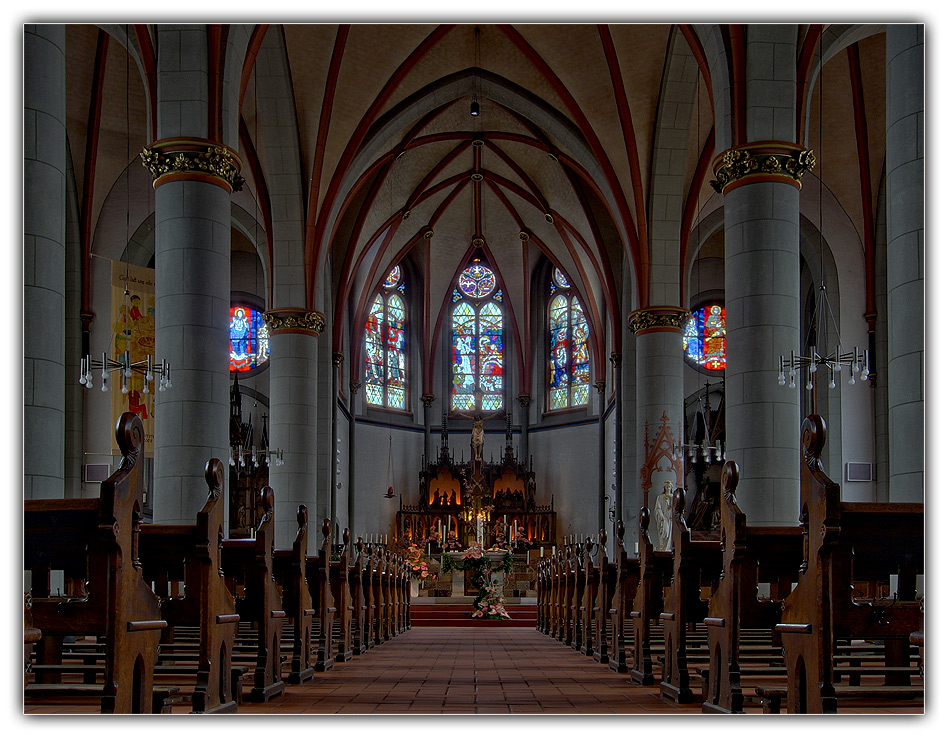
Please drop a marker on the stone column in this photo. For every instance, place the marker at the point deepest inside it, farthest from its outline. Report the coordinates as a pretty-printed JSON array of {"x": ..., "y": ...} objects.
[
  {"x": 293, "y": 411},
  {"x": 761, "y": 188},
  {"x": 194, "y": 178},
  {"x": 659, "y": 397},
  {"x": 615, "y": 358},
  {"x": 524, "y": 401},
  {"x": 44, "y": 260},
  {"x": 905, "y": 216}
]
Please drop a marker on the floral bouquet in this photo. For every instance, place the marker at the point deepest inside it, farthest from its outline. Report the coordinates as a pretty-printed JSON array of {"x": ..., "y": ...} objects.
[
  {"x": 474, "y": 552},
  {"x": 416, "y": 559},
  {"x": 490, "y": 604},
  {"x": 452, "y": 543}
]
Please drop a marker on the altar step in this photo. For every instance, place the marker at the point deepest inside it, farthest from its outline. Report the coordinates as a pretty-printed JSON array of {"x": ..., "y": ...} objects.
[{"x": 453, "y": 615}]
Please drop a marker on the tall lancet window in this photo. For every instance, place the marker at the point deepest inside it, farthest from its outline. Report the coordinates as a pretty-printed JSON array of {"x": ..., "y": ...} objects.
[
  {"x": 477, "y": 342},
  {"x": 385, "y": 345},
  {"x": 569, "y": 347}
]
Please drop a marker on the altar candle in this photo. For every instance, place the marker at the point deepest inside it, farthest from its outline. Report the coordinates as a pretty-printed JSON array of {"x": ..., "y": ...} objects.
[{"x": 541, "y": 552}]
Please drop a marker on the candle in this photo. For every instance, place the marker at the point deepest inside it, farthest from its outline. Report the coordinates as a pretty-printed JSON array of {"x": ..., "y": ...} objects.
[{"x": 541, "y": 552}]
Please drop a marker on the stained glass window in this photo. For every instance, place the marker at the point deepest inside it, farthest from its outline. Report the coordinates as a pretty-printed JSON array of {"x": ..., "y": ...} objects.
[
  {"x": 569, "y": 348},
  {"x": 249, "y": 339},
  {"x": 385, "y": 345},
  {"x": 705, "y": 339},
  {"x": 477, "y": 281},
  {"x": 477, "y": 343}
]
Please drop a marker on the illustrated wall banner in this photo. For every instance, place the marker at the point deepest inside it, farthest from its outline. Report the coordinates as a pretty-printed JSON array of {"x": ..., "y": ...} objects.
[{"x": 133, "y": 330}]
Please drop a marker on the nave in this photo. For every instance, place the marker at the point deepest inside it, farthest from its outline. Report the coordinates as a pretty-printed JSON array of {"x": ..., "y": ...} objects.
[{"x": 462, "y": 670}]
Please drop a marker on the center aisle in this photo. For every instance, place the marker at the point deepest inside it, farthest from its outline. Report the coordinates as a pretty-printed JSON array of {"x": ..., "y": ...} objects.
[{"x": 505, "y": 670}]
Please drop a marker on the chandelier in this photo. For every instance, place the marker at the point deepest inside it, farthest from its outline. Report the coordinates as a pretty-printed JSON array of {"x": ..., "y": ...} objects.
[
  {"x": 245, "y": 456},
  {"x": 700, "y": 442}
]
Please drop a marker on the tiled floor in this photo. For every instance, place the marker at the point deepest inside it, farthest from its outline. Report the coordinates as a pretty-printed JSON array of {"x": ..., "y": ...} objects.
[
  {"x": 463, "y": 670},
  {"x": 471, "y": 670}
]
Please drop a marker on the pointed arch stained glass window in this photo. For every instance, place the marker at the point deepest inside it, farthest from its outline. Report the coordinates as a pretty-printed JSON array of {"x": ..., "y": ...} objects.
[
  {"x": 705, "y": 338},
  {"x": 385, "y": 346},
  {"x": 569, "y": 350},
  {"x": 477, "y": 343},
  {"x": 249, "y": 339}
]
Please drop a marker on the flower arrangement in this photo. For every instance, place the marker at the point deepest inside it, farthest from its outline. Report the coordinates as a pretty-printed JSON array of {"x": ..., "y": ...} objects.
[
  {"x": 490, "y": 603},
  {"x": 452, "y": 543},
  {"x": 416, "y": 559}
]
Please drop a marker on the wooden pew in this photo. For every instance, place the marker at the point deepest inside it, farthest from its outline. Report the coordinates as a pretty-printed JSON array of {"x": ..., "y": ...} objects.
[
  {"x": 696, "y": 561},
  {"x": 31, "y": 635},
  {"x": 317, "y": 574},
  {"x": 575, "y": 579},
  {"x": 654, "y": 575},
  {"x": 289, "y": 567},
  {"x": 358, "y": 596},
  {"x": 623, "y": 601},
  {"x": 248, "y": 563},
  {"x": 543, "y": 596},
  {"x": 590, "y": 561},
  {"x": 605, "y": 591},
  {"x": 845, "y": 542},
  {"x": 339, "y": 578},
  {"x": 191, "y": 554},
  {"x": 96, "y": 541},
  {"x": 751, "y": 555}
]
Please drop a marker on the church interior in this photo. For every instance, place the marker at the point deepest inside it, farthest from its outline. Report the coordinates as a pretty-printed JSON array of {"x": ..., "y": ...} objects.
[{"x": 597, "y": 338}]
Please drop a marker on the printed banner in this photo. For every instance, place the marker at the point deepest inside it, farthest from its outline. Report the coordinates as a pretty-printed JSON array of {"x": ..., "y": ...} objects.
[{"x": 133, "y": 330}]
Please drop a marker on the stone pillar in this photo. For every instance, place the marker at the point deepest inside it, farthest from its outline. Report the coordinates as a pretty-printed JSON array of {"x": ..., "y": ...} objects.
[
  {"x": 761, "y": 188},
  {"x": 44, "y": 260},
  {"x": 524, "y": 401},
  {"x": 659, "y": 397},
  {"x": 615, "y": 358},
  {"x": 293, "y": 411},
  {"x": 193, "y": 179},
  {"x": 905, "y": 216}
]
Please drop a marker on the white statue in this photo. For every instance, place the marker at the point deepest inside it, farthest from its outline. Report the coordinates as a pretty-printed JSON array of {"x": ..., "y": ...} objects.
[{"x": 663, "y": 518}]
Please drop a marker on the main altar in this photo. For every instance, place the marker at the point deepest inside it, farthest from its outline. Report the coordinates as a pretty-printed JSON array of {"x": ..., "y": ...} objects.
[{"x": 490, "y": 504}]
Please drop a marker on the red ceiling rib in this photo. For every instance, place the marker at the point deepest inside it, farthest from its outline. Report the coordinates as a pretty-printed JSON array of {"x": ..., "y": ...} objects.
[
  {"x": 150, "y": 64},
  {"x": 804, "y": 68},
  {"x": 314, "y": 246},
  {"x": 691, "y": 209},
  {"x": 865, "y": 186},
  {"x": 691, "y": 38},
  {"x": 631, "y": 147},
  {"x": 738, "y": 67},
  {"x": 262, "y": 193},
  {"x": 598, "y": 152},
  {"x": 88, "y": 183},
  {"x": 325, "y": 116}
]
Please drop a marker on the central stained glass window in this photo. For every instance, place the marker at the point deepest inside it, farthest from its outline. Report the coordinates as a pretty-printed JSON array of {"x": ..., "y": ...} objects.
[
  {"x": 477, "y": 342},
  {"x": 385, "y": 345}
]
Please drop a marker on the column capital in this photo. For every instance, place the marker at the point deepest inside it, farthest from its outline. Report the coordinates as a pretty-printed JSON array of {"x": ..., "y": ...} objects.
[
  {"x": 294, "y": 320},
  {"x": 657, "y": 318},
  {"x": 354, "y": 386},
  {"x": 615, "y": 358},
  {"x": 194, "y": 159},
  {"x": 761, "y": 161},
  {"x": 524, "y": 400},
  {"x": 600, "y": 385},
  {"x": 337, "y": 359},
  {"x": 427, "y": 399}
]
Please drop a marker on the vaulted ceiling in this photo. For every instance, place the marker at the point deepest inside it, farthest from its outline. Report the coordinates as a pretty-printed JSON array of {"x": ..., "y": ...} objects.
[{"x": 563, "y": 162}]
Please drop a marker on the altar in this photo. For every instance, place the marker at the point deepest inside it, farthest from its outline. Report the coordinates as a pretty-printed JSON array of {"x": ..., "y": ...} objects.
[{"x": 487, "y": 503}]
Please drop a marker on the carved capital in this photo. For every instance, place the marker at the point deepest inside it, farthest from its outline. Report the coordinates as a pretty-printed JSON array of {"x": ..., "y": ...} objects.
[
  {"x": 657, "y": 318},
  {"x": 600, "y": 386},
  {"x": 195, "y": 159},
  {"x": 338, "y": 359},
  {"x": 294, "y": 320},
  {"x": 763, "y": 161},
  {"x": 354, "y": 386},
  {"x": 524, "y": 400},
  {"x": 615, "y": 359},
  {"x": 427, "y": 400}
]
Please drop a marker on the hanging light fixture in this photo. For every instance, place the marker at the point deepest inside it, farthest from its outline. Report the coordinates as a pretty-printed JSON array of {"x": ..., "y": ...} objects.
[
  {"x": 708, "y": 451},
  {"x": 475, "y": 107},
  {"x": 244, "y": 455},
  {"x": 818, "y": 354},
  {"x": 148, "y": 368}
]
